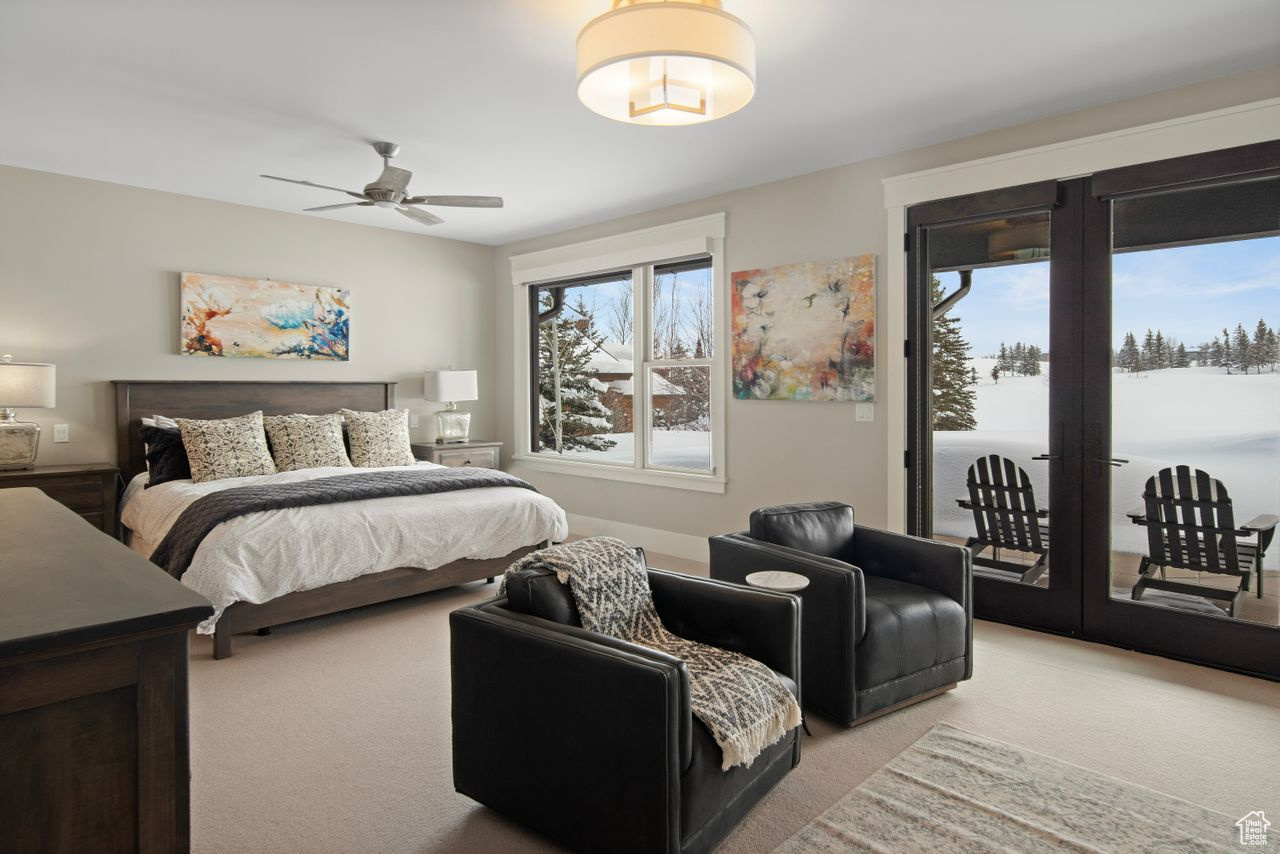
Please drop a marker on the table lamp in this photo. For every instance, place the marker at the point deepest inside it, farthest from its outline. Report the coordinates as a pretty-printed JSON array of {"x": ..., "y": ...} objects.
[
  {"x": 452, "y": 424},
  {"x": 22, "y": 385}
]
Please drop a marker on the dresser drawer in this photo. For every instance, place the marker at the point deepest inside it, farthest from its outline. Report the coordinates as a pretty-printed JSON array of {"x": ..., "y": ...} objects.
[
  {"x": 481, "y": 458},
  {"x": 79, "y": 495}
]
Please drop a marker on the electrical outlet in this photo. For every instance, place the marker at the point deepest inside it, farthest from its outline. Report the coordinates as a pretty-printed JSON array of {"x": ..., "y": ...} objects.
[
  {"x": 864, "y": 412},
  {"x": 61, "y": 433},
  {"x": 413, "y": 418}
]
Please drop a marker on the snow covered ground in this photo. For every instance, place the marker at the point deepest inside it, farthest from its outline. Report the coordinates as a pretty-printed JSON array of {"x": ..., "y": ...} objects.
[
  {"x": 1226, "y": 425},
  {"x": 690, "y": 449}
]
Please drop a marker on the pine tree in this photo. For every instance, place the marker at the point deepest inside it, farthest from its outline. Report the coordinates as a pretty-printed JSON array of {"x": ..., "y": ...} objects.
[
  {"x": 1213, "y": 352},
  {"x": 1149, "y": 350},
  {"x": 1030, "y": 364},
  {"x": 1228, "y": 354},
  {"x": 1240, "y": 348},
  {"x": 1128, "y": 352},
  {"x": 1159, "y": 354},
  {"x": 1180, "y": 357},
  {"x": 995, "y": 374},
  {"x": 1273, "y": 349},
  {"x": 1002, "y": 360},
  {"x": 572, "y": 415},
  {"x": 1137, "y": 363},
  {"x": 953, "y": 395},
  {"x": 1259, "y": 345}
]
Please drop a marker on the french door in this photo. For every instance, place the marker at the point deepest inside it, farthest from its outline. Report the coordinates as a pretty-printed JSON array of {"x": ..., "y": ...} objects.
[{"x": 1073, "y": 420}]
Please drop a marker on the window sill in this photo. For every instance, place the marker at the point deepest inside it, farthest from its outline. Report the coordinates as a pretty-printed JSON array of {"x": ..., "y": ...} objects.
[{"x": 624, "y": 474}]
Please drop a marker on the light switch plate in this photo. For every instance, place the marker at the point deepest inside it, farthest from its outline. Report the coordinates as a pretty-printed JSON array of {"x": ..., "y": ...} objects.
[
  {"x": 61, "y": 433},
  {"x": 413, "y": 418},
  {"x": 864, "y": 412}
]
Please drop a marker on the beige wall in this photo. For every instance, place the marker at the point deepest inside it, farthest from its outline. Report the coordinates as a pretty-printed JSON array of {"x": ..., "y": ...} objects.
[
  {"x": 89, "y": 281},
  {"x": 782, "y": 451}
]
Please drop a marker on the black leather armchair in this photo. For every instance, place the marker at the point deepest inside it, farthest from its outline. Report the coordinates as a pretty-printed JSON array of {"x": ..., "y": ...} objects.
[
  {"x": 888, "y": 619},
  {"x": 589, "y": 739}
]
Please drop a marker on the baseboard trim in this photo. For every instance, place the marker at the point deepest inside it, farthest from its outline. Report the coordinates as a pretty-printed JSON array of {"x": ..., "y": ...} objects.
[{"x": 684, "y": 546}]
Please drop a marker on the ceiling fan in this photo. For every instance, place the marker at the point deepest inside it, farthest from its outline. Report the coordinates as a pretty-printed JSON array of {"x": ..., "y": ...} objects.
[{"x": 391, "y": 190}]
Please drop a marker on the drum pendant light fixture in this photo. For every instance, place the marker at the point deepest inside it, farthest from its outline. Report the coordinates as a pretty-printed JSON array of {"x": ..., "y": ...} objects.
[{"x": 666, "y": 62}]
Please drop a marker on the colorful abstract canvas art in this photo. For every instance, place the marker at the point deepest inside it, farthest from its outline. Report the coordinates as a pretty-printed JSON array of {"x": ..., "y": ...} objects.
[
  {"x": 232, "y": 316},
  {"x": 805, "y": 331}
]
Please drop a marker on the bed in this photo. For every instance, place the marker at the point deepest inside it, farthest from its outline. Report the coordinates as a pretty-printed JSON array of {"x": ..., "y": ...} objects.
[{"x": 511, "y": 521}]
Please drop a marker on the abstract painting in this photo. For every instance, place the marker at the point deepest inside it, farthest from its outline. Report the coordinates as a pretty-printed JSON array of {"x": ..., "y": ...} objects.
[
  {"x": 232, "y": 316},
  {"x": 805, "y": 331}
]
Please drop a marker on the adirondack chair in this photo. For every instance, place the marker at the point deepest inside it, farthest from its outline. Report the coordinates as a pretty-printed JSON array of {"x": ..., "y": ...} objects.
[
  {"x": 1190, "y": 526},
  {"x": 1006, "y": 517}
]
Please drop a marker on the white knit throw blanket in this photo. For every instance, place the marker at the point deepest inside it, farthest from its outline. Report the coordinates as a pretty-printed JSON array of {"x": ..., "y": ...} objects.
[{"x": 741, "y": 701}]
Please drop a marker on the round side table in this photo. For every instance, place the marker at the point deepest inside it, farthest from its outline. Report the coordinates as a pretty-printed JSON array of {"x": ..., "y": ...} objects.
[{"x": 784, "y": 582}]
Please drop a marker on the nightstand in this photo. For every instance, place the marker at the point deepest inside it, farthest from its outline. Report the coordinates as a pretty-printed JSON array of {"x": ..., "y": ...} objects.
[
  {"x": 483, "y": 455},
  {"x": 87, "y": 488}
]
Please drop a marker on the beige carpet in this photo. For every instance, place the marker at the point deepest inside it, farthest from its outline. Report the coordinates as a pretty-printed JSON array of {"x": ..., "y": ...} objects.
[
  {"x": 957, "y": 791},
  {"x": 333, "y": 735}
]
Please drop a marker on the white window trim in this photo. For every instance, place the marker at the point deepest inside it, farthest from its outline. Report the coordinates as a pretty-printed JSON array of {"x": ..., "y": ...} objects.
[{"x": 636, "y": 249}]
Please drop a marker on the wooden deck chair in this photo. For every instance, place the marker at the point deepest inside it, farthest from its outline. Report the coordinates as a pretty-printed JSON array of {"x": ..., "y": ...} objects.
[
  {"x": 1006, "y": 517},
  {"x": 1190, "y": 525}
]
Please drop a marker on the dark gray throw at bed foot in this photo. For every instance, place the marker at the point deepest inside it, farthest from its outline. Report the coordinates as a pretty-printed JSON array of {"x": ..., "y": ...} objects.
[{"x": 176, "y": 550}]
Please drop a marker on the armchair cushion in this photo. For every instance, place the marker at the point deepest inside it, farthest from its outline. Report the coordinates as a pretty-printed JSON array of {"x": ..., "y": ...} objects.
[
  {"x": 822, "y": 528},
  {"x": 909, "y": 629}
]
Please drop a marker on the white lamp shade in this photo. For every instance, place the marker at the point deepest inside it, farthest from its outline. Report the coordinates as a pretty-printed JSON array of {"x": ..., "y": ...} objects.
[
  {"x": 449, "y": 385},
  {"x": 26, "y": 385},
  {"x": 666, "y": 63}
]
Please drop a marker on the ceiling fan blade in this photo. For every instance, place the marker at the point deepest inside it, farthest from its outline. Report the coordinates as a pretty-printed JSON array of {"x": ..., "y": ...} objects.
[
  {"x": 424, "y": 217},
  {"x": 457, "y": 201},
  {"x": 343, "y": 205},
  {"x": 394, "y": 178},
  {"x": 313, "y": 184}
]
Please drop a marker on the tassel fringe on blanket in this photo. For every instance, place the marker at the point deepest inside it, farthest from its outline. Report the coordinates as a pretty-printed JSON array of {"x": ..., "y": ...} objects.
[{"x": 741, "y": 701}]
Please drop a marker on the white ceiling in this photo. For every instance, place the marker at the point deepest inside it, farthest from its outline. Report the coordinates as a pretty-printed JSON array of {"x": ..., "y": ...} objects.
[{"x": 200, "y": 97}]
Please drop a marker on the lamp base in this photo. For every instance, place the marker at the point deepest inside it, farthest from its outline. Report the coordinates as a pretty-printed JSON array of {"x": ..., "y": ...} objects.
[
  {"x": 19, "y": 441},
  {"x": 453, "y": 426}
]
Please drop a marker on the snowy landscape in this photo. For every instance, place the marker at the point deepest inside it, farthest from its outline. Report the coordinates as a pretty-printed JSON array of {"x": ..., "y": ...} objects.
[{"x": 1225, "y": 424}]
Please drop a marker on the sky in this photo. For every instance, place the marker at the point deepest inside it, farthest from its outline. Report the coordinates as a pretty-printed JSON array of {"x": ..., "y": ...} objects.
[
  {"x": 1189, "y": 292},
  {"x": 603, "y": 299}
]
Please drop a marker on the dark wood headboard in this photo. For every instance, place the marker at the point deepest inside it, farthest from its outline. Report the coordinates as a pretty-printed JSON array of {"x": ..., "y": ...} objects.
[{"x": 136, "y": 399}]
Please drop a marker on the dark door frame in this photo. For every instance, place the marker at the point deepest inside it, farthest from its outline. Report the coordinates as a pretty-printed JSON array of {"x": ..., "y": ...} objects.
[
  {"x": 1056, "y": 609},
  {"x": 1237, "y": 645},
  {"x": 1079, "y": 600}
]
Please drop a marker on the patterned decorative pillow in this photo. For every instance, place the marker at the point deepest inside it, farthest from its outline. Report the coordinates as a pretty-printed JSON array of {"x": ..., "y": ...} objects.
[
  {"x": 166, "y": 458},
  {"x": 228, "y": 447},
  {"x": 379, "y": 438},
  {"x": 305, "y": 441}
]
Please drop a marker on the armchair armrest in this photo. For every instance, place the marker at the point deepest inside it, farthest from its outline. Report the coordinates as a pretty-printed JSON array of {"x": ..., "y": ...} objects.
[
  {"x": 761, "y": 624},
  {"x": 833, "y": 620},
  {"x": 938, "y": 566},
  {"x": 1138, "y": 515},
  {"x": 1265, "y": 527},
  {"x": 1263, "y": 522},
  {"x": 543, "y": 717}
]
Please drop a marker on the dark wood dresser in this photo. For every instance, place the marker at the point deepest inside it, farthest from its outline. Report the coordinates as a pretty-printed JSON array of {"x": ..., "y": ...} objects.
[
  {"x": 93, "y": 687},
  {"x": 87, "y": 488}
]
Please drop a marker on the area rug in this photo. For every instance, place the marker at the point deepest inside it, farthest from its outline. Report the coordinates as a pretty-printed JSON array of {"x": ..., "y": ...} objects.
[{"x": 956, "y": 791}]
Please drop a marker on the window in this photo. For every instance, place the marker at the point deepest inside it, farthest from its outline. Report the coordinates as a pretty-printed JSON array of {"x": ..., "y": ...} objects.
[
  {"x": 592, "y": 404},
  {"x": 622, "y": 368}
]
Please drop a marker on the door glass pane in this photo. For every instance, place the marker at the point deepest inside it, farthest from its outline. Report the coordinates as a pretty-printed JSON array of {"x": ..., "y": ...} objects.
[
  {"x": 1196, "y": 401},
  {"x": 990, "y": 394},
  {"x": 585, "y": 370}
]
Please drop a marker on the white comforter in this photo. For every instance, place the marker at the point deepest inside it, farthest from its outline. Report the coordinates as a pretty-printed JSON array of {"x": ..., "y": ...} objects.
[{"x": 262, "y": 556}]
